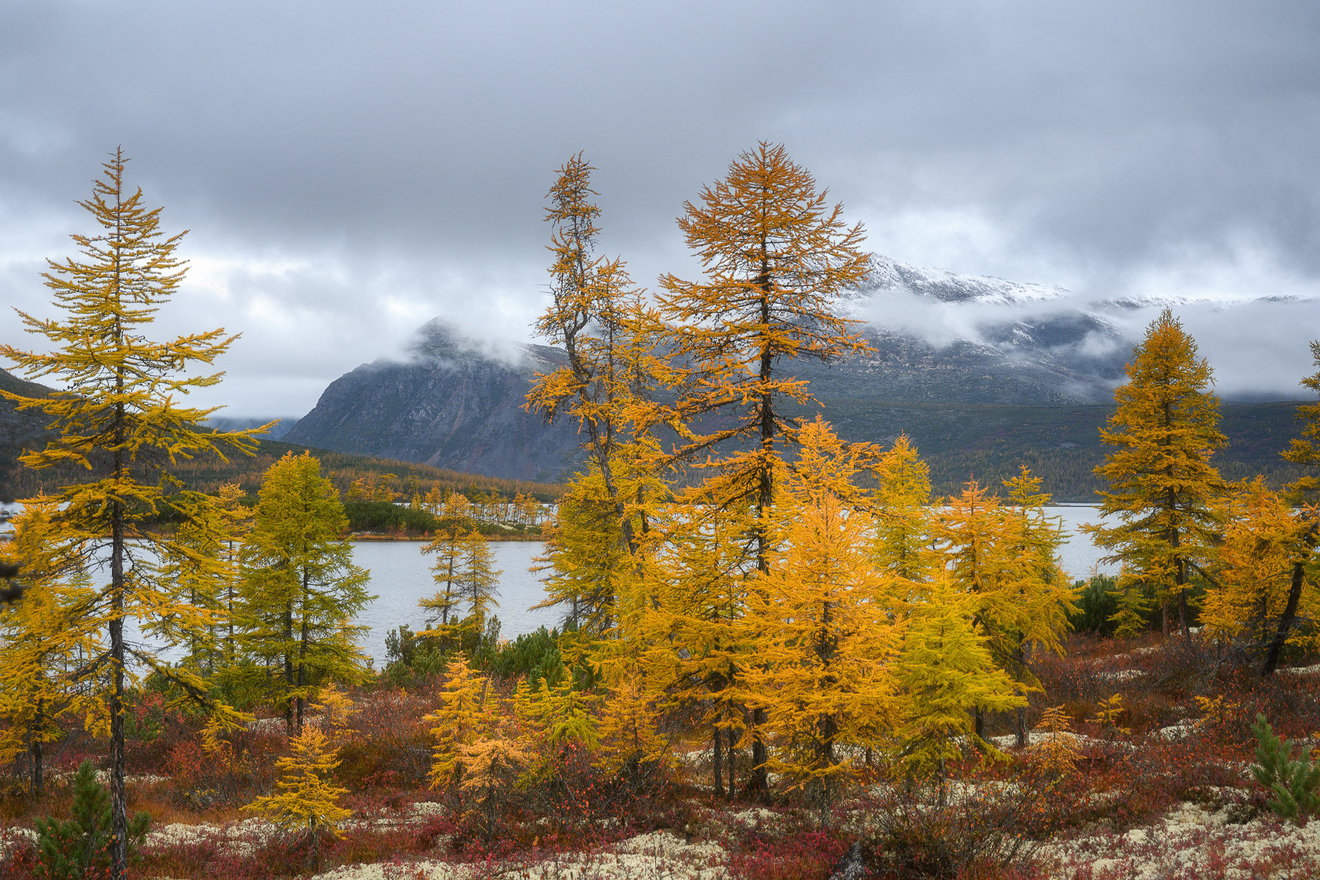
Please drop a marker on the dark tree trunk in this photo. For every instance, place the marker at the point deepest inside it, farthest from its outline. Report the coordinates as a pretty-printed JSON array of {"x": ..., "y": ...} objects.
[
  {"x": 717, "y": 762},
  {"x": 118, "y": 652},
  {"x": 1285, "y": 619}
]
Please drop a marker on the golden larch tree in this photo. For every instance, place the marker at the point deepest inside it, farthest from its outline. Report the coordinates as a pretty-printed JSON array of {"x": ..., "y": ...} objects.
[
  {"x": 1263, "y": 538},
  {"x": 608, "y": 337},
  {"x": 118, "y": 414},
  {"x": 823, "y": 622},
  {"x": 1163, "y": 491},
  {"x": 306, "y": 802},
  {"x": 1304, "y": 450},
  {"x": 775, "y": 255}
]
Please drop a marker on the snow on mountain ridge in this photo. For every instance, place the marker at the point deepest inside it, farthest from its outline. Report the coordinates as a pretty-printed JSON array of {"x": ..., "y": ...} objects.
[{"x": 947, "y": 286}]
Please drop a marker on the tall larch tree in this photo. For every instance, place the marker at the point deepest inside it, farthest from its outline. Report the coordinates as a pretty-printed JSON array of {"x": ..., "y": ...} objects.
[
  {"x": 1163, "y": 491},
  {"x": 119, "y": 413},
  {"x": 598, "y": 319},
  {"x": 300, "y": 588},
  {"x": 1038, "y": 595},
  {"x": 775, "y": 255}
]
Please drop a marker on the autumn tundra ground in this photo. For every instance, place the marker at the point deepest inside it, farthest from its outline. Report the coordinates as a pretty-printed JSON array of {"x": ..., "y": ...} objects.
[{"x": 1138, "y": 766}]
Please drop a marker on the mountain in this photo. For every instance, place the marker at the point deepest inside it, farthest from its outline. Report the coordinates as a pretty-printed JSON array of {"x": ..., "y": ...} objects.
[
  {"x": 456, "y": 403},
  {"x": 19, "y": 430},
  {"x": 984, "y": 374}
]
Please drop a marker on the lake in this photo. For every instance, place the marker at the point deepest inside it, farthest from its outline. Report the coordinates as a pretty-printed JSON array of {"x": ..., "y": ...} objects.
[{"x": 401, "y": 577}]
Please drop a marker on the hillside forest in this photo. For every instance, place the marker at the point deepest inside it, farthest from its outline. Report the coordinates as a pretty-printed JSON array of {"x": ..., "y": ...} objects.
[{"x": 780, "y": 652}]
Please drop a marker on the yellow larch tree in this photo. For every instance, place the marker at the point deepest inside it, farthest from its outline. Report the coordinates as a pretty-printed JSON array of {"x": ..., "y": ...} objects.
[
  {"x": 948, "y": 678},
  {"x": 608, "y": 337},
  {"x": 1005, "y": 556},
  {"x": 695, "y": 645},
  {"x": 1038, "y": 596},
  {"x": 823, "y": 623},
  {"x": 1163, "y": 491},
  {"x": 300, "y": 589},
  {"x": 554, "y": 719},
  {"x": 118, "y": 413},
  {"x": 775, "y": 254},
  {"x": 902, "y": 509},
  {"x": 462, "y": 718},
  {"x": 631, "y": 743},
  {"x": 442, "y": 607},
  {"x": 1303, "y": 450},
  {"x": 43, "y": 650},
  {"x": 1262, "y": 539},
  {"x": 306, "y": 802}
]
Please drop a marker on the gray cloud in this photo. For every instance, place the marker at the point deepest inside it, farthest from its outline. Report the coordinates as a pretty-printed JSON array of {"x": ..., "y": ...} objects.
[{"x": 350, "y": 170}]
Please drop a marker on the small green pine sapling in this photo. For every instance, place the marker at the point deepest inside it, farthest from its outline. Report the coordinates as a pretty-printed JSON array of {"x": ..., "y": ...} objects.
[
  {"x": 1294, "y": 781},
  {"x": 79, "y": 848}
]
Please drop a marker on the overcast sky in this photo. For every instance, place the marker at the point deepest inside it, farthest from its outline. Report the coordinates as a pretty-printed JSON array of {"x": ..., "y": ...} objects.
[{"x": 349, "y": 170}]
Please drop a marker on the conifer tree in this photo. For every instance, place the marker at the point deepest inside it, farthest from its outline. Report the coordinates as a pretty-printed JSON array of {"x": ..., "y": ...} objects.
[
  {"x": 608, "y": 338},
  {"x": 306, "y": 802},
  {"x": 461, "y": 719},
  {"x": 553, "y": 719},
  {"x": 1163, "y": 490},
  {"x": 696, "y": 647},
  {"x": 43, "y": 647},
  {"x": 775, "y": 255},
  {"x": 82, "y": 846},
  {"x": 1305, "y": 491},
  {"x": 1039, "y": 597},
  {"x": 300, "y": 587},
  {"x": 118, "y": 412},
  {"x": 825, "y": 628},
  {"x": 465, "y": 575},
  {"x": 1005, "y": 556},
  {"x": 1262, "y": 539},
  {"x": 630, "y": 718},
  {"x": 1305, "y": 449},
  {"x": 902, "y": 513},
  {"x": 479, "y": 580},
  {"x": 947, "y": 677}
]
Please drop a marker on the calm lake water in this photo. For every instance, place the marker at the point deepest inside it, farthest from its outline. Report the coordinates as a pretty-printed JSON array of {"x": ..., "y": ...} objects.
[{"x": 401, "y": 577}]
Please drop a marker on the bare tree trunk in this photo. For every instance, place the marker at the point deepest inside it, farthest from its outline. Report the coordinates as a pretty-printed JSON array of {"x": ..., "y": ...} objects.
[
  {"x": 717, "y": 761},
  {"x": 1285, "y": 619},
  {"x": 118, "y": 794}
]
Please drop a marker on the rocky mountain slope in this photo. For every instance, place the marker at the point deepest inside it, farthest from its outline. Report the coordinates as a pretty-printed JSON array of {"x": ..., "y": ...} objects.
[
  {"x": 19, "y": 431},
  {"x": 455, "y": 404},
  {"x": 984, "y": 374}
]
